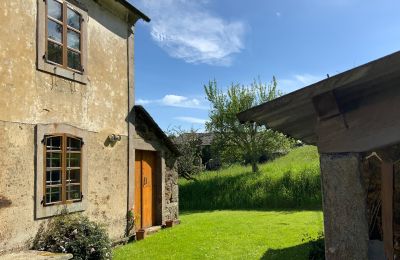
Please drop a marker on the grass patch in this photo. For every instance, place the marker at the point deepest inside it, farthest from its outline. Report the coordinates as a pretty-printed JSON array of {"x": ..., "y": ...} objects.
[
  {"x": 230, "y": 235},
  {"x": 289, "y": 182}
]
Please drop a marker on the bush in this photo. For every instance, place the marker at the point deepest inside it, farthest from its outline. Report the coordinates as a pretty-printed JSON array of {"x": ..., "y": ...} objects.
[{"x": 75, "y": 234}]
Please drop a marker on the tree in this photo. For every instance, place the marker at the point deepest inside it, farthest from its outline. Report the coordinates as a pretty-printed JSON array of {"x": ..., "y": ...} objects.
[
  {"x": 189, "y": 144},
  {"x": 247, "y": 141}
]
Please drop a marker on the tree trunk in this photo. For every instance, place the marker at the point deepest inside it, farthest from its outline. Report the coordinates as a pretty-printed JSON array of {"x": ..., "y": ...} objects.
[{"x": 254, "y": 166}]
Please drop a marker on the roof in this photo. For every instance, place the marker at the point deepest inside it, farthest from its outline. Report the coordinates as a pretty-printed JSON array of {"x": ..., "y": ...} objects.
[
  {"x": 205, "y": 138},
  {"x": 297, "y": 114},
  {"x": 143, "y": 114},
  {"x": 133, "y": 9}
]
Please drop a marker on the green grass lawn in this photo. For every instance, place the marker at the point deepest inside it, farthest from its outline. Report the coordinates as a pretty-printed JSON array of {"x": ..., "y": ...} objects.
[
  {"x": 230, "y": 235},
  {"x": 236, "y": 214},
  {"x": 289, "y": 182}
]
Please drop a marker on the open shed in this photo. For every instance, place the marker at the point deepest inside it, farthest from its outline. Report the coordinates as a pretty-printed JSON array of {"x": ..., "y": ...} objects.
[{"x": 354, "y": 120}]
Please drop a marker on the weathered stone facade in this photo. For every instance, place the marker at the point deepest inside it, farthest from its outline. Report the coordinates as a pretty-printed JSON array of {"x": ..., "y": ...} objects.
[
  {"x": 171, "y": 190},
  {"x": 29, "y": 97}
]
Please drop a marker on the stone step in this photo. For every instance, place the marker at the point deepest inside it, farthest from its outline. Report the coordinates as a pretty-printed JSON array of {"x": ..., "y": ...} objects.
[{"x": 35, "y": 255}]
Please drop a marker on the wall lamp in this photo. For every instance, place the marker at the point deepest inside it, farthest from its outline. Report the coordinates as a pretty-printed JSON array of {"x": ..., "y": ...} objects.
[{"x": 114, "y": 138}]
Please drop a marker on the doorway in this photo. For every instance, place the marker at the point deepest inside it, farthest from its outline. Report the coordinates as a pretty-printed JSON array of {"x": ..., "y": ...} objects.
[{"x": 145, "y": 187}]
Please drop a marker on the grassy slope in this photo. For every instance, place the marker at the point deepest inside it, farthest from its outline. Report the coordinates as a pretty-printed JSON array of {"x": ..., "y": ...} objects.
[
  {"x": 288, "y": 183},
  {"x": 291, "y": 182},
  {"x": 230, "y": 235}
]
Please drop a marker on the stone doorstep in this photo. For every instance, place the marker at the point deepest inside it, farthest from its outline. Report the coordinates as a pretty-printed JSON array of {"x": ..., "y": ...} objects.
[
  {"x": 35, "y": 255},
  {"x": 152, "y": 230}
]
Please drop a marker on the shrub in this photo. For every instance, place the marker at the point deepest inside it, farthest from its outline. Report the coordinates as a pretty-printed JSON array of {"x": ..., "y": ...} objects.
[{"x": 75, "y": 234}]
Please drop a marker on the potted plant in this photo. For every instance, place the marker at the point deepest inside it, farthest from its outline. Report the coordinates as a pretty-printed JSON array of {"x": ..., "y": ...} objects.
[
  {"x": 169, "y": 223},
  {"x": 140, "y": 234}
]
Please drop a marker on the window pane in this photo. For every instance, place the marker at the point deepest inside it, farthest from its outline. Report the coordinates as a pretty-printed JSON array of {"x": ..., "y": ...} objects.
[
  {"x": 54, "y": 9},
  {"x": 73, "y": 192},
  {"x": 74, "y": 60},
  {"x": 74, "y": 19},
  {"x": 74, "y": 176},
  {"x": 73, "y": 144},
  {"x": 53, "y": 159},
  {"x": 53, "y": 177},
  {"x": 54, "y": 52},
  {"x": 73, "y": 159},
  {"x": 74, "y": 40},
  {"x": 53, "y": 194},
  {"x": 53, "y": 143},
  {"x": 54, "y": 31}
]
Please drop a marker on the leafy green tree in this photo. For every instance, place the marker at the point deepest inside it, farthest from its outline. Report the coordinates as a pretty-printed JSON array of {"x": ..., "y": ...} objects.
[
  {"x": 236, "y": 141},
  {"x": 189, "y": 163}
]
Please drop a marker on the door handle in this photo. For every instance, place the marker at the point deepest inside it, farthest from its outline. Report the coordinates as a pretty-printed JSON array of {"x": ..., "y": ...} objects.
[{"x": 145, "y": 181}]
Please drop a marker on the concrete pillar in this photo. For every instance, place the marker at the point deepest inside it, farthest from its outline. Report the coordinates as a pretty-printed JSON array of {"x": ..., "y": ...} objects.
[{"x": 345, "y": 207}]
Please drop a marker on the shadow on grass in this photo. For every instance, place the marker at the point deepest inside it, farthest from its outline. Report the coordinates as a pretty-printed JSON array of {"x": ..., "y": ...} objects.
[
  {"x": 245, "y": 191},
  {"x": 301, "y": 251}
]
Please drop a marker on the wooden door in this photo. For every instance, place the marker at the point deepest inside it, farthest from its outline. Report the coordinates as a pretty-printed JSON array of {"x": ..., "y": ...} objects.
[{"x": 145, "y": 167}]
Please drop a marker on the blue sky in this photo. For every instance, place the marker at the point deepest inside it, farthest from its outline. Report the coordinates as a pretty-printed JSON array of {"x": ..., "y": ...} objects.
[{"x": 189, "y": 42}]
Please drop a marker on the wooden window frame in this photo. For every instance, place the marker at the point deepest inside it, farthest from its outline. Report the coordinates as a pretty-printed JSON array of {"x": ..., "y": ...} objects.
[
  {"x": 64, "y": 152},
  {"x": 46, "y": 130},
  {"x": 62, "y": 70}
]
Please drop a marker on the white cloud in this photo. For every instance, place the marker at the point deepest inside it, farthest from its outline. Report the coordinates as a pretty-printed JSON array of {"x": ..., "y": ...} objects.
[
  {"x": 278, "y": 14},
  {"x": 143, "y": 101},
  {"x": 174, "y": 101},
  {"x": 187, "y": 30},
  {"x": 298, "y": 81},
  {"x": 192, "y": 120},
  {"x": 180, "y": 101}
]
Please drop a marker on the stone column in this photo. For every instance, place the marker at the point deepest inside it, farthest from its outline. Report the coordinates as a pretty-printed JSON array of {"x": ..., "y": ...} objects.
[{"x": 345, "y": 208}]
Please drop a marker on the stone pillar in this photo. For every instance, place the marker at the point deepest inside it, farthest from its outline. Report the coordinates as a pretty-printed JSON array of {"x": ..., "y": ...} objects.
[{"x": 345, "y": 208}]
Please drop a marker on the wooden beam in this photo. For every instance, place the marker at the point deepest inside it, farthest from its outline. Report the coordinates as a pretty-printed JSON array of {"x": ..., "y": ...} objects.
[
  {"x": 387, "y": 169},
  {"x": 373, "y": 125}
]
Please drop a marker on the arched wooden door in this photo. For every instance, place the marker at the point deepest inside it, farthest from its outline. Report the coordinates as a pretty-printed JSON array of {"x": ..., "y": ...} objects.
[{"x": 145, "y": 168}]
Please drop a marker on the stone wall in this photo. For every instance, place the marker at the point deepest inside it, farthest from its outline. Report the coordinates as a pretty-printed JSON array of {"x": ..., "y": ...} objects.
[
  {"x": 171, "y": 211},
  {"x": 344, "y": 204},
  {"x": 107, "y": 185},
  {"x": 29, "y": 97}
]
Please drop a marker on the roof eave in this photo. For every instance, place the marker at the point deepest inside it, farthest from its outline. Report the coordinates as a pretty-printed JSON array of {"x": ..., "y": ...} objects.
[{"x": 133, "y": 9}]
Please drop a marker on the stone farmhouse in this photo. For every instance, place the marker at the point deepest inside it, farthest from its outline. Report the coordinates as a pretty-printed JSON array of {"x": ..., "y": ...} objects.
[{"x": 71, "y": 136}]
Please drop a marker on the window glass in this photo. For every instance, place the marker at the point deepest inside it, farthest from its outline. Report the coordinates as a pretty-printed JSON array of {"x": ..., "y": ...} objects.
[
  {"x": 54, "y": 31},
  {"x": 73, "y": 192},
  {"x": 74, "y": 144},
  {"x": 53, "y": 177},
  {"x": 73, "y": 159},
  {"x": 53, "y": 143},
  {"x": 74, "y": 60},
  {"x": 55, "y": 10},
  {"x": 54, "y": 53},
  {"x": 74, "y": 19},
  {"x": 73, "y": 176},
  {"x": 74, "y": 40},
  {"x": 53, "y": 159},
  {"x": 53, "y": 195}
]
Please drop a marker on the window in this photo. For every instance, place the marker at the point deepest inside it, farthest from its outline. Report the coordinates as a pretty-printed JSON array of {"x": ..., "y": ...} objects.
[
  {"x": 63, "y": 35},
  {"x": 62, "y": 40},
  {"x": 63, "y": 175}
]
